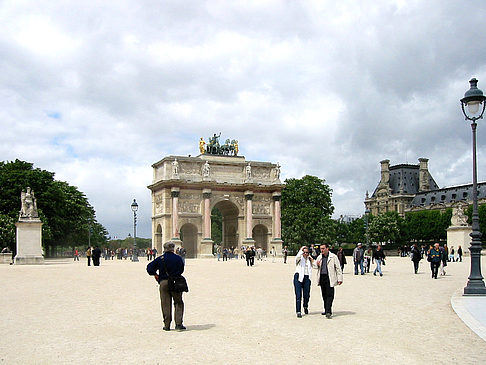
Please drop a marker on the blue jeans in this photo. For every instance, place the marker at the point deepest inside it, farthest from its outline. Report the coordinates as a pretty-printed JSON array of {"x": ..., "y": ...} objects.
[
  {"x": 360, "y": 263},
  {"x": 301, "y": 287},
  {"x": 378, "y": 266}
]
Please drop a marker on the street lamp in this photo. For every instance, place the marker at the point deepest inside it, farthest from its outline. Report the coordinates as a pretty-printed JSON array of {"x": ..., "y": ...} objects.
[
  {"x": 134, "y": 209},
  {"x": 473, "y": 104},
  {"x": 367, "y": 213}
]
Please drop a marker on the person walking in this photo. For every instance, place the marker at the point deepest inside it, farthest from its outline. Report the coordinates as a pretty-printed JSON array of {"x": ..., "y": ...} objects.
[
  {"x": 273, "y": 253},
  {"x": 378, "y": 257},
  {"x": 285, "y": 253},
  {"x": 182, "y": 254},
  {"x": 434, "y": 257},
  {"x": 302, "y": 280},
  {"x": 358, "y": 256},
  {"x": 329, "y": 275},
  {"x": 248, "y": 256},
  {"x": 95, "y": 255},
  {"x": 76, "y": 254},
  {"x": 443, "y": 258},
  {"x": 88, "y": 255},
  {"x": 168, "y": 264},
  {"x": 451, "y": 255},
  {"x": 341, "y": 257},
  {"x": 416, "y": 257},
  {"x": 459, "y": 254}
]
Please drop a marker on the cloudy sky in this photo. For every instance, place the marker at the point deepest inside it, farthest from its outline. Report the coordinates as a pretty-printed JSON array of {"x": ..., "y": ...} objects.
[{"x": 97, "y": 91}]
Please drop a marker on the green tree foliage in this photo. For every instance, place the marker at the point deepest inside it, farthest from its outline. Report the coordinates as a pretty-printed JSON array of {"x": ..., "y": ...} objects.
[
  {"x": 352, "y": 232},
  {"x": 216, "y": 226},
  {"x": 482, "y": 219},
  {"x": 385, "y": 228},
  {"x": 306, "y": 212},
  {"x": 427, "y": 225},
  {"x": 64, "y": 210},
  {"x": 7, "y": 231}
]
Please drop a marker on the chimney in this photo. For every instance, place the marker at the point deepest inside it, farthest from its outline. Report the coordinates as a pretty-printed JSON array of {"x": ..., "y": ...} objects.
[
  {"x": 385, "y": 172},
  {"x": 424, "y": 175}
]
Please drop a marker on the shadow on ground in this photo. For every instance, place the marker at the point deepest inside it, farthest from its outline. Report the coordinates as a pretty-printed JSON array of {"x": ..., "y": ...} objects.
[{"x": 200, "y": 327}]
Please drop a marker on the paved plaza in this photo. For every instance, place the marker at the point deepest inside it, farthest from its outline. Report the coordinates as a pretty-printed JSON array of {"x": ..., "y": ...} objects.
[{"x": 65, "y": 312}]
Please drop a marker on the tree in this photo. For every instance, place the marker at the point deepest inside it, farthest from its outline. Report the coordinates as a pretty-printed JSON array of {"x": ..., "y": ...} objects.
[
  {"x": 427, "y": 225},
  {"x": 64, "y": 210},
  {"x": 306, "y": 212},
  {"x": 385, "y": 228},
  {"x": 216, "y": 226}
]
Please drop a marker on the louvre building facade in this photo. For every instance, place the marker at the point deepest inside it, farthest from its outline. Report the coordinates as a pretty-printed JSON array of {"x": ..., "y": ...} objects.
[{"x": 405, "y": 187}]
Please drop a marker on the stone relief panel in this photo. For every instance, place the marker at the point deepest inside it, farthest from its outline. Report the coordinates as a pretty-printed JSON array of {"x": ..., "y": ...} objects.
[
  {"x": 191, "y": 168},
  {"x": 260, "y": 173},
  {"x": 259, "y": 208},
  {"x": 189, "y": 207},
  {"x": 159, "y": 204}
]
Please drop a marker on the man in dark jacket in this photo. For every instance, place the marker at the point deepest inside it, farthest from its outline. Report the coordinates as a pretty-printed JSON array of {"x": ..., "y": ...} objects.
[
  {"x": 435, "y": 257},
  {"x": 96, "y": 254},
  {"x": 171, "y": 264}
]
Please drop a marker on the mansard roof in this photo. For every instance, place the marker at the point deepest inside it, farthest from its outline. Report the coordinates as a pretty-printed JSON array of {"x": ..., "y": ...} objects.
[
  {"x": 448, "y": 195},
  {"x": 407, "y": 176}
]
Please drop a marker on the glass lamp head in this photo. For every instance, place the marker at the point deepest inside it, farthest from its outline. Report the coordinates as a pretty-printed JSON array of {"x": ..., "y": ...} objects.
[{"x": 134, "y": 205}]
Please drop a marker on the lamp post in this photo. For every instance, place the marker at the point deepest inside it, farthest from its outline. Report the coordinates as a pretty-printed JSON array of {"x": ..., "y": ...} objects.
[
  {"x": 473, "y": 104},
  {"x": 134, "y": 209},
  {"x": 367, "y": 213}
]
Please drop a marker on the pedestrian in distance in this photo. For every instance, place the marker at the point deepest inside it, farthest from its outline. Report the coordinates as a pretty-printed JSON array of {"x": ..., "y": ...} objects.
[
  {"x": 358, "y": 257},
  {"x": 416, "y": 257},
  {"x": 434, "y": 256},
  {"x": 341, "y": 257},
  {"x": 168, "y": 264},
  {"x": 329, "y": 275},
  {"x": 451, "y": 255},
  {"x": 443, "y": 258},
  {"x": 302, "y": 280},
  {"x": 95, "y": 255},
  {"x": 88, "y": 255},
  {"x": 378, "y": 257},
  {"x": 459, "y": 254},
  {"x": 76, "y": 254},
  {"x": 285, "y": 253}
]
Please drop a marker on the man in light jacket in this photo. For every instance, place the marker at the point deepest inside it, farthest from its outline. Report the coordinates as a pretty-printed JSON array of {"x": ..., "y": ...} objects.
[{"x": 329, "y": 274}]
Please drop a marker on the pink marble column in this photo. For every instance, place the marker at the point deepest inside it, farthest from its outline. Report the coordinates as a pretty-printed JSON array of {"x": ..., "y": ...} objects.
[
  {"x": 249, "y": 214},
  {"x": 207, "y": 214},
  {"x": 277, "y": 233},
  {"x": 175, "y": 212}
]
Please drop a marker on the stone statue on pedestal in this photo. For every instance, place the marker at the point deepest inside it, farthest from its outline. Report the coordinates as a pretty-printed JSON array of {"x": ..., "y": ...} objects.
[
  {"x": 458, "y": 217},
  {"x": 28, "y": 209},
  {"x": 29, "y": 231}
]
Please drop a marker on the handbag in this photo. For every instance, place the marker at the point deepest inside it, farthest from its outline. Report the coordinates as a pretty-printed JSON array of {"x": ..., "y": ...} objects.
[{"x": 176, "y": 284}]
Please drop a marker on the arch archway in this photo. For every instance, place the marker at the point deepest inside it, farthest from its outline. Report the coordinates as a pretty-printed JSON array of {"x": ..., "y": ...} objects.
[
  {"x": 229, "y": 229},
  {"x": 188, "y": 236},
  {"x": 260, "y": 235},
  {"x": 158, "y": 239}
]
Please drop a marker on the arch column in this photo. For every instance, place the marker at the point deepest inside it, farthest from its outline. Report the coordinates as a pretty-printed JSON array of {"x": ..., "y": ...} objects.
[
  {"x": 205, "y": 248},
  {"x": 174, "y": 192},
  {"x": 249, "y": 218},
  {"x": 277, "y": 225}
]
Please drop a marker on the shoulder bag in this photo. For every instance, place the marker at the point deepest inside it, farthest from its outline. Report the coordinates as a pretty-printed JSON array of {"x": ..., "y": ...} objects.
[{"x": 176, "y": 284}]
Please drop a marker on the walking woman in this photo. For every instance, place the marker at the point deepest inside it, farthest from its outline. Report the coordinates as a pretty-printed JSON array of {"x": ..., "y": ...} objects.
[
  {"x": 378, "y": 256},
  {"x": 302, "y": 281},
  {"x": 341, "y": 258},
  {"x": 416, "y": 257}
]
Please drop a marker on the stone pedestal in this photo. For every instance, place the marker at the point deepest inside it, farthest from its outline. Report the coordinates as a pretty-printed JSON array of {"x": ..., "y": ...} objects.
[
  {"x": 206, "y": 249},
  {"x": 29, "y": 242},
  {"x": 6, "y": 258},
  {"x": 459, "y": 236}
]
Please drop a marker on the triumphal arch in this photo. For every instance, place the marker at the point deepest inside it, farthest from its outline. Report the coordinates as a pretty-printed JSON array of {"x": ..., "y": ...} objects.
[{"x": 186, "y": 189}]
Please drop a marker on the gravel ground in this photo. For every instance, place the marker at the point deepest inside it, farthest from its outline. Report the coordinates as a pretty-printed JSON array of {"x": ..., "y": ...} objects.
[{"x": 66, "y": 312}]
